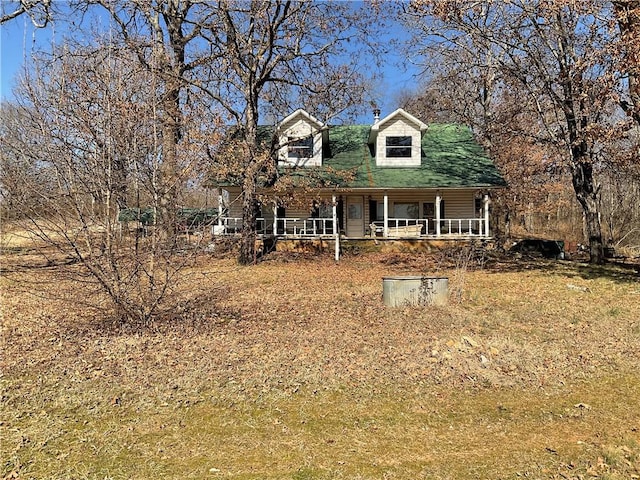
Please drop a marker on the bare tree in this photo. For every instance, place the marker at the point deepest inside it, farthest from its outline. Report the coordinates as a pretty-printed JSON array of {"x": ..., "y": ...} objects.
[
  {"x": 87, "y": 125},
  {"x": 277, "y": 53},
  {"x": 20, "y": 177},
  {"x": 164, "y": 36},
  {"x": 249, "y": 58},
  {"x": 560, "y": 55},
  {"x": 40, "y": 12}
]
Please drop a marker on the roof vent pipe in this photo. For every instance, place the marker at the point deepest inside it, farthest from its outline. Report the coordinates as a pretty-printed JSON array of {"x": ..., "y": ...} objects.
[{"x": 376, "y": 115}]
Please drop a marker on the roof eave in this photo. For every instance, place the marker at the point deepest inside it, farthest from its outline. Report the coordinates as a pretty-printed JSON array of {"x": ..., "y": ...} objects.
[{"x": 310, "y": 118}]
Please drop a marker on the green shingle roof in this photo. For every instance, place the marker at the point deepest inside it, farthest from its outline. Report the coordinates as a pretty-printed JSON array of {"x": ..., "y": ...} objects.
[{"x": 450, "y": 158}]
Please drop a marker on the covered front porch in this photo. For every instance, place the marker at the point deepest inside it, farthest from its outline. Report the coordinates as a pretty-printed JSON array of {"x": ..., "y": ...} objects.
[{"x": 374, "y": 214}]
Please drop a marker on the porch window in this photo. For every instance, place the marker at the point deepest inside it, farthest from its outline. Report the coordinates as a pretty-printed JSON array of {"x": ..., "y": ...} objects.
[
  {"x": 321, "y": 210},
  {"x": 300, "y": 147},
  {"x": 321, "y": 218},
  {"x": 399, "y": 147},
  {"x": 406, "y": 210}
]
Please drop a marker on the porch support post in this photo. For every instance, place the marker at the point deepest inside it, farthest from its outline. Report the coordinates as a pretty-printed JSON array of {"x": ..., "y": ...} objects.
[
  {"x": 220, "y": 207},
  {"x": 275, "y": 218},
  {"x": 336, "y": 231},
  {"x": 385, "y": 227},
  {"x": 486, "y": 214},
  {"x": 438, "y": 199}
]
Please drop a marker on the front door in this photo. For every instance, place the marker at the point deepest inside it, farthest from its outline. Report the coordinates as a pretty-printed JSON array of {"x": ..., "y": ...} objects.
[{"x": 355, "y": 216}]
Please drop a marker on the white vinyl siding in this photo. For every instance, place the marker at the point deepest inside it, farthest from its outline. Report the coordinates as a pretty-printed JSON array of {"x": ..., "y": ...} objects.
[
  {"x": 459, "y": 204},
  {"x": 394, "y": 129},
  {"x": 293, "y": 135}
]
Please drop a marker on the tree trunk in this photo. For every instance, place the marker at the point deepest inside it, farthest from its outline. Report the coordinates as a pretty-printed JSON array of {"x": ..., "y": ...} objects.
[
  {"x": 169, "y": 170},
  {"x": 582, "y": 178},
  {"x": 580, "y": 159},
  {"x": 248, "y": 239},
  {"x": 249, "y": 188}
]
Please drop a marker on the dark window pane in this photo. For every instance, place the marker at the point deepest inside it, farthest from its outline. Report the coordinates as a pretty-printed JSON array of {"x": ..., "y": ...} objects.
[
  {"x": 398, "y": 141},
  {"x": 398, "y": 146},
  {"x": 398, "y": 152},
  {"x": 300, "y": 147}
]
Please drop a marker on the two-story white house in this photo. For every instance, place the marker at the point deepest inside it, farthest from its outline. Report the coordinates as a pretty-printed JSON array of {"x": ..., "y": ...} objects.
[{"x": 396, "y": 178}]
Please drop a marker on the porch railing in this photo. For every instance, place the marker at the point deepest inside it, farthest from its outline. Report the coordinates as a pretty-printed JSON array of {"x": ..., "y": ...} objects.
[
  {"x": 233, "y": 225},
  {"x": 462, "y": 226},
  {"x": 304, "y": 226},
  {"x": 396, "y": 227},
  {"x": 283, "y": 226}
]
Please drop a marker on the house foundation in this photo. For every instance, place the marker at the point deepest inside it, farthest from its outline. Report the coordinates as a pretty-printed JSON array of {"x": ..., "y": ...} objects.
[{"x": 327, "y": 245}]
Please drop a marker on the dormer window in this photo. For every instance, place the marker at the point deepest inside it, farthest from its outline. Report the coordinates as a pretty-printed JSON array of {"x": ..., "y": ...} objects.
[
  {"x": 396, "y": 140},
  {"x": 300, "y": 147},
  {"x": 302, "y": 140},
  {"x": 399, "y": 147}
]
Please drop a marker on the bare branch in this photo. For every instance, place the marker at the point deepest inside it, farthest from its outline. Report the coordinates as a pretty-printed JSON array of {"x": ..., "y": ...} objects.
[{"x": 39, "y": 12}]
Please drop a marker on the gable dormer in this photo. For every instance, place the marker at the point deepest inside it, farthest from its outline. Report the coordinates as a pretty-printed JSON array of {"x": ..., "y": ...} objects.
[
  {"x": 396, "y": 140},
  {"x": 301, "y": 138}
]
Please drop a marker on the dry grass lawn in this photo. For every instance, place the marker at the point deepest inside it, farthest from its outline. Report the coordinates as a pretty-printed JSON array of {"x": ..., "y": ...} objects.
[{"x": 293, "y": 369}]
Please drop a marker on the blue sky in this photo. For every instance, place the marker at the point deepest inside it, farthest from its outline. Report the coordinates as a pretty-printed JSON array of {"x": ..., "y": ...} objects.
[
  {"x": 11, "y": 58},
  {"x": 19, "y": 38}
]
